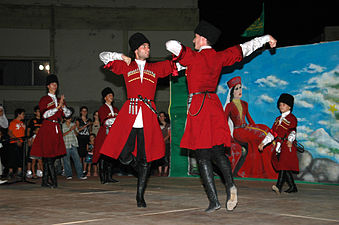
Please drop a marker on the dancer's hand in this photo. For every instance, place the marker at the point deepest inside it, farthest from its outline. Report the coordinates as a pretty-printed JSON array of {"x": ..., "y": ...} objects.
[
  {"x": 61, "y": 102},
  {"x": 272, "y": 42},
  {"x": 261, "y": 147},
  {"x": 289, "y": 144},
  {"x": 126, "y": 59}
]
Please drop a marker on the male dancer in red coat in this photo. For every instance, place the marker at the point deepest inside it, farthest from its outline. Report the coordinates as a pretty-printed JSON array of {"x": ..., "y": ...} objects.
[
  {"x": 49, "y": 142},
  {"x": 206, "y": 129},
  {"x": 107, "y": 114},
  {"x": 137, "y": 120}
]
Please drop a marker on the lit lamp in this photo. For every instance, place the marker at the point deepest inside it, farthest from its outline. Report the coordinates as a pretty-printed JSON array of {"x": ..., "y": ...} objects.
[{"x": 46, "y": 67}]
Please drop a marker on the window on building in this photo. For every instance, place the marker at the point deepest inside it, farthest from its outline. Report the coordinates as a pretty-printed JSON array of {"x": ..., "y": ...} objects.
[{"x": 23, "y": 72}]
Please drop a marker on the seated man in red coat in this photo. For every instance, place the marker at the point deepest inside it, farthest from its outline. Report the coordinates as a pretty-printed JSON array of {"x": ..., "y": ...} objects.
[
  {"x": 140, "y": 138},
  {"x": 206, "y": 129},
  {"x": 107, "y": 114}
]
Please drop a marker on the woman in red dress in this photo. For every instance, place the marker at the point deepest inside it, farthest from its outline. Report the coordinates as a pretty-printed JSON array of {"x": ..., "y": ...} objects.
[
  {"x": 252, "y": 163},
  {"x": 49, "y": 142}
]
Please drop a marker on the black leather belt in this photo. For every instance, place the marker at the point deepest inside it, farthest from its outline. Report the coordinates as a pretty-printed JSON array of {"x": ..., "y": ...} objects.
[
  {"x": 54, "y": 121},
  {"x": 189, "y": 100},
  {"x": 241, "y": 126},
  {"x": 202, "y": 92}
]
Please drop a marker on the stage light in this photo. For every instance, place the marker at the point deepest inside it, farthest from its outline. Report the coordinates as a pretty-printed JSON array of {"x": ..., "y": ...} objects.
[
  {"x": 41, "y": 67},
  {"x": 47, "y": 67}
]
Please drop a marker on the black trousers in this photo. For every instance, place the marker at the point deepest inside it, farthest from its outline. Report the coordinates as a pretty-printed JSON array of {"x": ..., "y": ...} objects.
[{"x": 126, "y": 156}]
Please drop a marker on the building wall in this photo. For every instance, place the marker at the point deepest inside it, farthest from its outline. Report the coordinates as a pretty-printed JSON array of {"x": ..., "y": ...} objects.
[{"x": 72, "y": 35}]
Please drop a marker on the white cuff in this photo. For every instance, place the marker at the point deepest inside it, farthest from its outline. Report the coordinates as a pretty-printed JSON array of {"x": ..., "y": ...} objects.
[
  {"x": 50, "y": 113},
  {"x": 180, "y": 67},
  {"x": 291, "y": 136},
  {"x": 107, "y": 57},
  {"x": 174, "y": 47},
  {"x": 277, "y": 149},
  {"x": 66, "y": 111},
  {"x": 109, "y": 122},
  {"x": 254, "y": 44},
  {"x": 268, "y": 139}
]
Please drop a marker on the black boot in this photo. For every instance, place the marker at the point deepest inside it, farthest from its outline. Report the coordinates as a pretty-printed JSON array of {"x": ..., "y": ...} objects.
[
  {"x": 224, "y": 165},
  {"x": 132, "y": 162},
  {"x": 45, "y": 174},
  {"x": 244, "y": 152},
  {"x": 52, "y": 172},
  {"x": 101, "y": 165},
  {"x": 110, "y": 173},
  {"x": 280, "y": 182},
  {"x": 290, "y": 181},
  {"x": 143, "y": 172},
  {"x": 206, "y": 173}
]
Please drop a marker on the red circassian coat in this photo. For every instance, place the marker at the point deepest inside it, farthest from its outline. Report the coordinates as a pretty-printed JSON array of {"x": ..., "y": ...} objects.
[
  {"x": 288, "y": 159},
  {"x": 49, "y": 141},
  {"x": 209, "y": 127},
  {"x": 257, "y": 164},
  {"x": 104, "y": 114},
  {"x": 119, "y": 132}
]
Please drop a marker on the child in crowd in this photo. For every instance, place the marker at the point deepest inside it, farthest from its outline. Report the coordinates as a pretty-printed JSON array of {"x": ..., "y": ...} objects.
[
  {"x": 89, "y": 156},
  {"x": 33, "y": 123},
  {"x": 38, "y": 172},
  {"x": 71, "y": 143},
  {"x": 16, "y": 131},
  {"x": 96, "y": 123},
  {"x": 283, "y": 132}
]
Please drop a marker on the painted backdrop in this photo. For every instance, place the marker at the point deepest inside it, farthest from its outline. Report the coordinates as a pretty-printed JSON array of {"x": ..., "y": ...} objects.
[{"x": 311, "y": 74}]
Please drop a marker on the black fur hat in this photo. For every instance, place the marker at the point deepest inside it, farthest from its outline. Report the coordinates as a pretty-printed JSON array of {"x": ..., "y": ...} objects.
[
  {"x": 209, "y": 31},
  {"x": 136, "y": 40},
  {"x": 106, "y": 91},
  {"x": 52, "y": 78},
  {"x": 287, "y": 99}
]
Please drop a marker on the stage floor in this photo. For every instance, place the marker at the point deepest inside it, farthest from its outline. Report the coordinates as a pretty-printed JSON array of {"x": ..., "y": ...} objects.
[{"x": 172, "y": 201}]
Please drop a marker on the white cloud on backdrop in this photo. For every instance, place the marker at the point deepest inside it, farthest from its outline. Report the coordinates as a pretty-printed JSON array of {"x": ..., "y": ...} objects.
[
  {"x": 271, "y": 81},
  {"x": 310, "y": 68},
  {"x": 264, "y": 98}
]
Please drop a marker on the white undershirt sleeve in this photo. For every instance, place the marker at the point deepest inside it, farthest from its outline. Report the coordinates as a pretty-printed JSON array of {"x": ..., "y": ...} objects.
[
  {"x": 66, "y": 111},
  {"x": 107, "y": 57},
  {"x": 268, "y": 139},
  {"x": 254, "y": 44},
  {"x": 109, "y": 122},
  {"x": 50, "y": 113},
  {"x": 291, "y": 136},
  {"x": 174, "y": 47}
]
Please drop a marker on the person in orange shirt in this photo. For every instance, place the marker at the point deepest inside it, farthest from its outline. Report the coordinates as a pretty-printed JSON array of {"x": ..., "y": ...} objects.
[{"x": 16, "y": 130}]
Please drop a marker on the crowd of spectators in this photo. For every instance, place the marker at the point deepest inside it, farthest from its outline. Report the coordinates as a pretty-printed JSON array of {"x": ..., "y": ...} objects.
[{"x": 79, "y": 133}]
